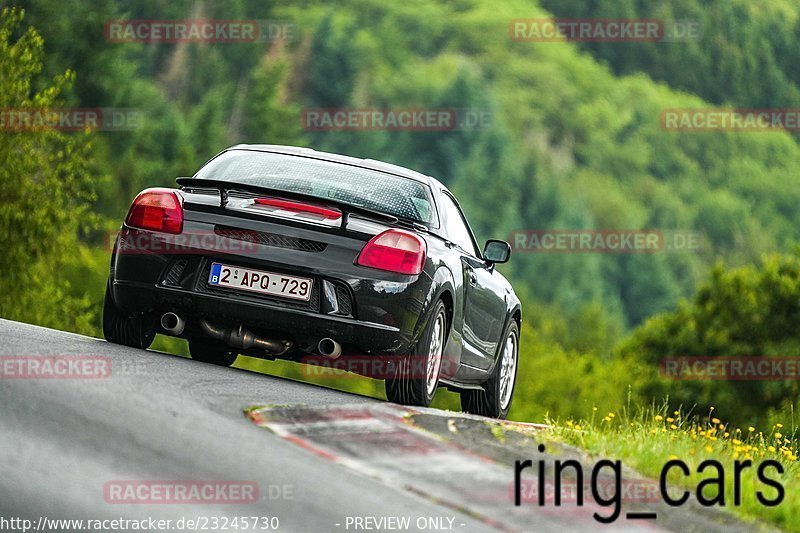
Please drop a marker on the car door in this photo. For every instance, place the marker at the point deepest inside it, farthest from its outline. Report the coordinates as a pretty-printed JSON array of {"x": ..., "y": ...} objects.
[{"x": 484, "y": 296}]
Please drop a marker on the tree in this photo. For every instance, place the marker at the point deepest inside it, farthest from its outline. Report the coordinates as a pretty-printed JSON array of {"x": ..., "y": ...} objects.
[
  {"x": 746, "y": 311},
  {"x": 268, "y": 115},
  {"x": 46, "y": 189}
]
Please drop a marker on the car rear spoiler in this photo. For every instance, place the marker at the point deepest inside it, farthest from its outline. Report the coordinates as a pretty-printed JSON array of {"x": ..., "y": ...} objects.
[{"x": 224, "y": 186}]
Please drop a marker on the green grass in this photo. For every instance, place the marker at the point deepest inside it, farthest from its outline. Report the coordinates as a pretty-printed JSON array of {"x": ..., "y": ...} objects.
[{"x": 647, "y": 440}]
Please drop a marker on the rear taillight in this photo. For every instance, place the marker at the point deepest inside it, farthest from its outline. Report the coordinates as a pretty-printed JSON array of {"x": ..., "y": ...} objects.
[
  {"x": 156, "y": 209},
  {"x": 394, "y": 250}
]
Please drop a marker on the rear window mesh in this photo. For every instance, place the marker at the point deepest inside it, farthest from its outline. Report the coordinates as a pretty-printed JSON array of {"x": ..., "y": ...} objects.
[{"x": 394, "y": 195}]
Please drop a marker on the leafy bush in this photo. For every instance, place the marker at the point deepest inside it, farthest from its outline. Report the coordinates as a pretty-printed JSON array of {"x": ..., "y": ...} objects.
[
  {"x": 745, "y": 311},
  {"x": 47, "y": 191}
]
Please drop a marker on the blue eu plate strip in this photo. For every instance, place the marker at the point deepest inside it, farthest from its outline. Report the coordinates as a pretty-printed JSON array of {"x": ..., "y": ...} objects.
[{"x": 216, "y": 268}]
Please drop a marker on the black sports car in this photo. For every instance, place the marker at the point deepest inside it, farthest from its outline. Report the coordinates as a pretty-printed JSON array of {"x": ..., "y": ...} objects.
[{"x": 283, "y": 252}]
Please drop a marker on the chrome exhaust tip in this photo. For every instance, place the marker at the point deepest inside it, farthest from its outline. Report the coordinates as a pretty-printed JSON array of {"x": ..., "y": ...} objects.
[
  {"x": 329, "y": 348},
  {"x": 172, "y": 323}
]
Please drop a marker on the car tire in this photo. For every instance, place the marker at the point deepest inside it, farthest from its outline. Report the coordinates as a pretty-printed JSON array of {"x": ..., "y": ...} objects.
[
  {"x": 136, "y": 331},
  {"x": 406, "y": 385},
  {"x": 213, "y": 352},
  {"x": 495, "y": 399}
]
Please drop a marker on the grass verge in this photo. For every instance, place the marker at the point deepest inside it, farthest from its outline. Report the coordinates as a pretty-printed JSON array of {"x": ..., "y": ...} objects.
[{"x": 648, "y": 439}]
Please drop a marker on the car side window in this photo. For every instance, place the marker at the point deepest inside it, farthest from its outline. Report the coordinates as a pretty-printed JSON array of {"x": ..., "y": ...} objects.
[{"x": 456, "y": 228}]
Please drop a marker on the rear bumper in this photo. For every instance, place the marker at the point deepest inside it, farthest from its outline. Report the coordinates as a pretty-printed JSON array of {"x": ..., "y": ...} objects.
[
  {"x": 366, "y": 311},
  {"x": 280, "y": 322}
]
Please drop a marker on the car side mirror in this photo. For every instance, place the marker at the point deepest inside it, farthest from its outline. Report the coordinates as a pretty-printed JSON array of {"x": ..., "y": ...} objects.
[{"x": 496, "y": 251}]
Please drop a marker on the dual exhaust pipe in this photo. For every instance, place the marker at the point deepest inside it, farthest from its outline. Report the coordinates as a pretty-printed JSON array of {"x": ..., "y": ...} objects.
[{"x": 244, "y": 339}]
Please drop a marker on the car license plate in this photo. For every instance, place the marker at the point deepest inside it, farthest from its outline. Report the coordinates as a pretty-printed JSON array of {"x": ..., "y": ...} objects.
[{"x": 260, "y": 281}]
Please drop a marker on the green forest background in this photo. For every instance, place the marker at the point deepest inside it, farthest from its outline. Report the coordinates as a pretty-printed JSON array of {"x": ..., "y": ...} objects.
[{"x": 575, "y": 142}]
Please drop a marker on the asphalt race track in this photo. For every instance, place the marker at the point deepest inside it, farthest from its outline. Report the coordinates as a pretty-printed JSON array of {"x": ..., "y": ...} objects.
[{"x": 320, "y": 460}]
